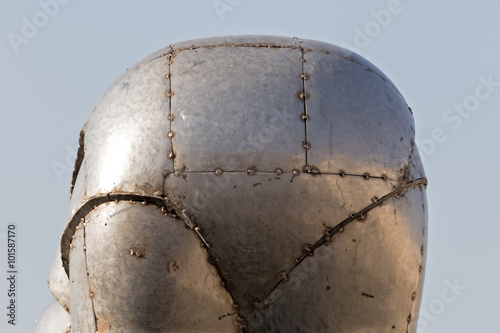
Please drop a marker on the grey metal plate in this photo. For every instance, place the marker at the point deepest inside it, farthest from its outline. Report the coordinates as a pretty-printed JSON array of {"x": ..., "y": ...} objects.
[
  {"x": 126, "y": 141},
  {"x": 364, "y": 281},
  {"x": 358, "y": 122},
  {"x": 54, "y": 319},
  {"x": 150, "y": 274},
  {"x": 237, "y": 107},
  {"x": 58, "y": 281},
  {"x": 256, "y": 238},
  {"x": 82, "y": 312},
  {"x": 349, "y": 55}
]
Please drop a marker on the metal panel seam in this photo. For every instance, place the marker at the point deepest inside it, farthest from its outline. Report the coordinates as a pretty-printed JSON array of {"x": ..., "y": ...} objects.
[{"x": 360, "y": 215}]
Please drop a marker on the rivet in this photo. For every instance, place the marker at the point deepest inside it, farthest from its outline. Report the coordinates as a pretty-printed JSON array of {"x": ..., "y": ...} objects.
[
  {"x": 168, "y": 76},
  {"x": 251, "y": 171},
  {"x": 170, "y": 117},
  {"x": 171, "y": 134},
  {"x": 171, "y": 155},
  {"x": 165, "y": 173},
  {"x": 169, "y": 93},
  {"x": 413, "y": 296},
  {"x": 420, "y": 269},
  {"x": 304, "y": 76},
  {"x": 342, "y": 173},
  {"x": 384, "y": 177},
  {"x": 278, "y": 172},
  {"x": 306, "y": 145},
  {"x": 296, "y": 172},
  {"x": 91, "y": 294},
  {"x": 303, "y": 95},
  {"x": 218, "y": 172},
  {"x": 305, "y": 117},
  {"x": 283, "y": 276},
  {"x": 307, "y": 169},
  {"x": 366, "y": 176},
  {"x": 362, "y": 217},
  {"x": 177, "y": 173},
  {"x": 302, "y": 60}
]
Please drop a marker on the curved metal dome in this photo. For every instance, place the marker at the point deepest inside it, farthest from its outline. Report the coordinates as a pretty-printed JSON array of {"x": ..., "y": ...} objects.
[{"x": 291, "y": 162}]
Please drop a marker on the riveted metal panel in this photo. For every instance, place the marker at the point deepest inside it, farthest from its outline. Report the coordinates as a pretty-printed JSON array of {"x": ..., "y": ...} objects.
[
  {"x": 126, "y": 141},
  {"x": 54, "y": 319},
  {"x": 368, "y": 279},
  {"x": 82, "y": 309},
  {"x": 358, "y": 122},
  {"x": 236, "y": 107},
  {"x": 256, "y": 238},
  {"x": 247, "y": 40},
  {"x": 261, "y": 145},
  {"x": 150, "y": 274},
  {"x": 326, "y": 48}
]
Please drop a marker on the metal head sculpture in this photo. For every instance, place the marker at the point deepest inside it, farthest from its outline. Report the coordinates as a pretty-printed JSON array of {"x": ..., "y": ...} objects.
[{"x": 246, "y": 184}]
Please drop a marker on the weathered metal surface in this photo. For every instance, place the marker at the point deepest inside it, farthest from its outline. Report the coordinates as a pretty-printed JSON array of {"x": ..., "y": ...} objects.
[
  {"x": 241, "y": 113},
  {"x": 149, "y": 273},
  {"x": 58, "y": 281},
  {"x": 256, "y": 238},
  {"x": 126, "y": 138},
  {"x": 54, "y": 319},
  {"x": 369, "y": 128},
  {"x": 82, "y": 307},
  {"x": 367, "y": 279},
  {"x": 267, "y": 149}
]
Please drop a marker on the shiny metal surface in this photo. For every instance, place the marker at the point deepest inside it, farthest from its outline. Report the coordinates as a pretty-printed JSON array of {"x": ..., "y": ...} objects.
[
  {"x": 54, "y": 319},
  {"x": 147, "y": 270},
  {"x": 58, "y": 281},
  {"x": 82, "y": 307},
  {"x": 291, "y": 162}
]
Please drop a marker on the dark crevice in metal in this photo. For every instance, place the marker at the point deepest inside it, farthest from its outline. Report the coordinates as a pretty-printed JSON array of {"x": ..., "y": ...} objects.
[
  {"x": 79, "y": 159},
  {"x": 360, "y": 215},
  {"x": 91, "y": 293},
  {"x": 94, "y": 202},
  {"x": 161, "y": 202}
]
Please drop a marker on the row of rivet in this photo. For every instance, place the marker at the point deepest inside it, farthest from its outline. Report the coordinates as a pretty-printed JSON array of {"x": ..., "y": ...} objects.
[
  {"x": 304, "y": 95},
  {"x": 362, "y": 215},
  {"x": 251, "y": 171},
  {"x": 169, "y": 93}
]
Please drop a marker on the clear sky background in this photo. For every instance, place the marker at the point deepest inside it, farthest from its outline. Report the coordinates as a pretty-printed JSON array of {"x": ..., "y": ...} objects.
[{"x": 442, "y": 55}]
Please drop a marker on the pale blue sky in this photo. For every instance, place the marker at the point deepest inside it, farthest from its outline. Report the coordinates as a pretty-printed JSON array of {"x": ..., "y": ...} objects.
[{"x": 439, "y": 54}]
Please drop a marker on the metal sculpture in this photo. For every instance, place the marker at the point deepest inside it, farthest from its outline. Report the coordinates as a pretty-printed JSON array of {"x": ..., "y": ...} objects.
[{"x": 245, "y": 184}]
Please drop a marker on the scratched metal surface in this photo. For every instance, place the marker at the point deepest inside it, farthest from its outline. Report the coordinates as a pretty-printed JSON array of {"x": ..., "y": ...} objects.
[
  {"x": 263, "y": 146},
  {"x": 148, "y": 272}
]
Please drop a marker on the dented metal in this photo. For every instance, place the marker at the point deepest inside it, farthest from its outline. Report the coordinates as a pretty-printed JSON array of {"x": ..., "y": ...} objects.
[{"x": 246, "y": 184}]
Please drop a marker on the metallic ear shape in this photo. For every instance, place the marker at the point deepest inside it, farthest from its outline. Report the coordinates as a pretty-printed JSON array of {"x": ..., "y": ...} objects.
[{"x": 248, "y": 184}]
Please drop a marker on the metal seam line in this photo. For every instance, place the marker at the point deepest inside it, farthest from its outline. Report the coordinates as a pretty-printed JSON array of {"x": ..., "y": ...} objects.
[
  {"x": 96, "y": 201},
  {"x": 173, "y": 50},
  {"x": 91, "y": 293},
  {"x": 304, "y": 97},
  {"x": 309, "y": 250}
]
